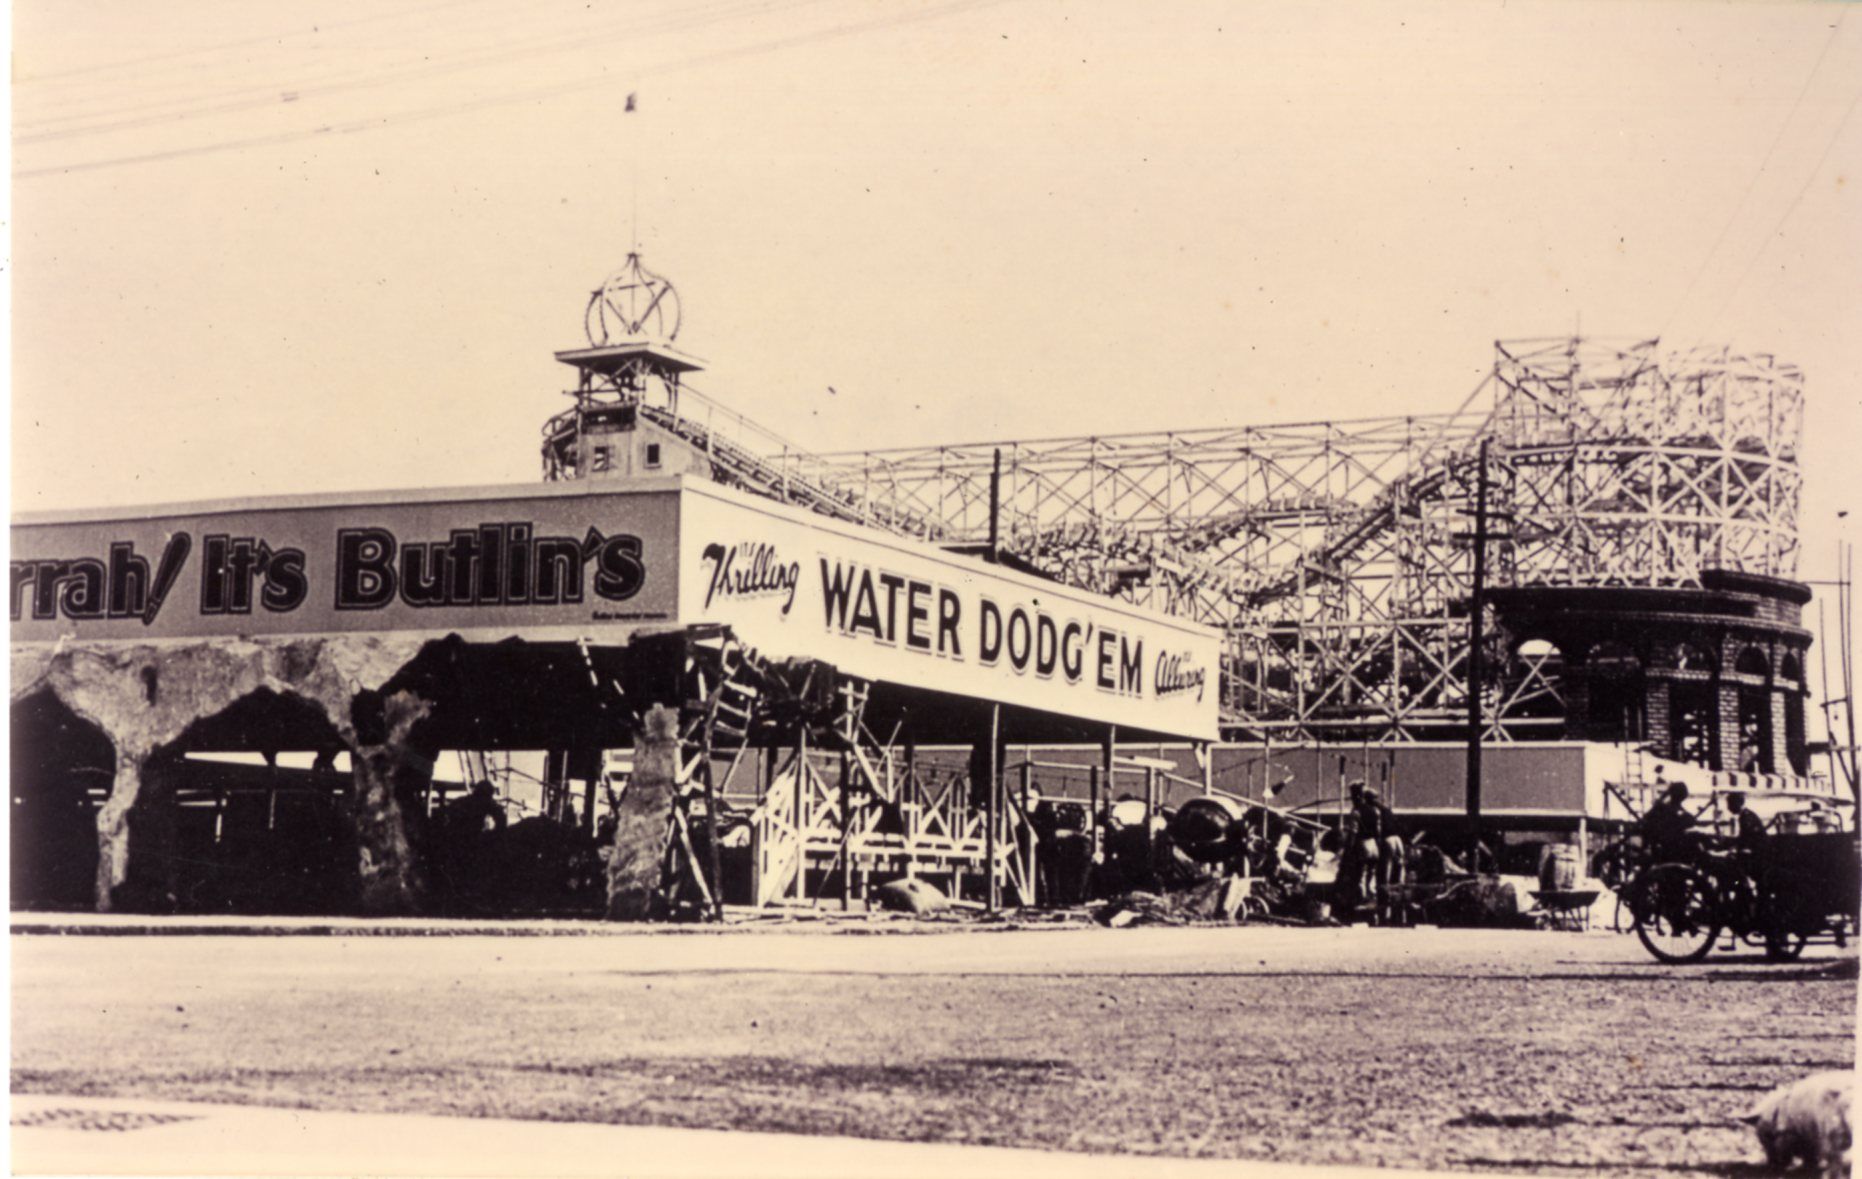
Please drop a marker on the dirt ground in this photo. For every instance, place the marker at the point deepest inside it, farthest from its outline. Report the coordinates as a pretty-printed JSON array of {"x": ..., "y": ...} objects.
[{"x": 1412, "y": 1048}]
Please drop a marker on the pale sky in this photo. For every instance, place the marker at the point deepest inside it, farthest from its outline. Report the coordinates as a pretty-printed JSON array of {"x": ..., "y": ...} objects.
[{"x": 311, "y": 246}]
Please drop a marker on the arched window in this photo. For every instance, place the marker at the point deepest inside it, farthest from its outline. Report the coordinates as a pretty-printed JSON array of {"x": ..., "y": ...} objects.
[
  {"x": 1538, "y": 650},
  {"x": 1754, "y": 755},
  {"x": 61, "y": 768},
  {"x": 1613, "y": 675},
  {"x": 1791, "y": 687},
  {"x": 1790, "y": 671},
  {"x": 1535, "y": 681},
  {"x": 1693, "y": 708}
]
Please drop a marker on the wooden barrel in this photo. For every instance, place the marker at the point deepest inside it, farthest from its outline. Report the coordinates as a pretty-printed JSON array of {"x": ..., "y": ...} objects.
[{"x": 1559, "y": 868}]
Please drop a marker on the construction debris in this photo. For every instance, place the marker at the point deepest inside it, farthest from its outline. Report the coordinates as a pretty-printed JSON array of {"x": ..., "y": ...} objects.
[
  {"x": 917, "y": 897},
  {"x": 1476, "y": 901}
]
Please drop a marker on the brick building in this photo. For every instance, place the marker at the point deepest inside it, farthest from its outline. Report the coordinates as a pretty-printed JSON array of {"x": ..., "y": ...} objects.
[{"x": 1712, "y": 675}]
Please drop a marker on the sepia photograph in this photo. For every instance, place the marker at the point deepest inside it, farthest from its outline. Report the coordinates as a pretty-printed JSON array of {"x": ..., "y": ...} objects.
[{"x": 869, "y": 588}]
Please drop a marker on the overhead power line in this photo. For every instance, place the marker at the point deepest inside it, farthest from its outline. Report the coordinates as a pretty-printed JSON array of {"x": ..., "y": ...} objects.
[
  {"x": 537, "y": 93},
  {"x": 219, "y": 47},
  {"x": 1778, "y": 227},
  {"x": 1751, "y": 185},
  {"x": 279, "y": 63},
  {"x": 258, "y": 97}
]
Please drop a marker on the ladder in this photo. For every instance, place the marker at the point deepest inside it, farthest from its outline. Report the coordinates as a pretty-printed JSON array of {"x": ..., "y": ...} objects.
[
  {"x": 728, "y": 684},
  {"x": 873, "y": 758}
]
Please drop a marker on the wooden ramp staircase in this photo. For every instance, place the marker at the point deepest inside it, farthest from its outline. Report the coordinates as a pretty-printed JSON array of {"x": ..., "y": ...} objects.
[{"x": 857, "y": 810}]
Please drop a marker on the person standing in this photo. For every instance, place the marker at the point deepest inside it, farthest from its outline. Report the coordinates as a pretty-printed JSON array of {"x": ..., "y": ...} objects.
[
  {"x": 1376, "y": 838},
  {"x": 1361, "y": 862}
]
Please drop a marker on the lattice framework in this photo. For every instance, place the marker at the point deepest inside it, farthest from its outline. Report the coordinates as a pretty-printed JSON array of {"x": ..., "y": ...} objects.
[{"x": 1337, "y": 555}]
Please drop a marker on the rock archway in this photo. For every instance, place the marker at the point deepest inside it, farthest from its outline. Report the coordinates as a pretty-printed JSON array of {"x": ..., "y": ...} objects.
[
  {"x": 146, "y": 697},
  {"x": 60, "y": 768}
]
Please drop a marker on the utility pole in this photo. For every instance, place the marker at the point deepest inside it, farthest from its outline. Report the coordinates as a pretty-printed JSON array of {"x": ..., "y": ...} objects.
[
  {"x": 1477, "y": 607},
  {"x": 995, "y": 509},
  {"x": 1845, "y": 616},
  {"x": 992, "y": 808},
  {"x": 1842, "y": 755}
]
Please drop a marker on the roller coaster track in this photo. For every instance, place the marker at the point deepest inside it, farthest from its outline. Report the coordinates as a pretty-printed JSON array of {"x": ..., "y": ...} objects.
[
  {"x": 1372, "y": 521},
  {"x": 1329, "y": 550},
  {"x": 1101, "y": 555},
  {"x": 1118, "y": 553},
  {"x": 738, "y": 465}
]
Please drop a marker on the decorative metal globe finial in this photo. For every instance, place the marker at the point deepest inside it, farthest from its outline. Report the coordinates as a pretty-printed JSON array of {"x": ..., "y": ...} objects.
[{"x": 633, "y": 304}]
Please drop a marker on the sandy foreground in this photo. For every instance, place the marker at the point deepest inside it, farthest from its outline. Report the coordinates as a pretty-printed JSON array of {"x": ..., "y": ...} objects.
[{"x": 1494, "y": 1051}]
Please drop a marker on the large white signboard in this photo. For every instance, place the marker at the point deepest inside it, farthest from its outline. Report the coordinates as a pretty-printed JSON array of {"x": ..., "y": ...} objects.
[
  {"x": 574, "y": 561},
  {"x": 480, "y": 562},
  {"x": 795, "y": 584}
]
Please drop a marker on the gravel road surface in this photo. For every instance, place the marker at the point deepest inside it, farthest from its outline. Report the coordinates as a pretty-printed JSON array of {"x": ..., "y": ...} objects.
[{"x": 1509, "y": 1051}]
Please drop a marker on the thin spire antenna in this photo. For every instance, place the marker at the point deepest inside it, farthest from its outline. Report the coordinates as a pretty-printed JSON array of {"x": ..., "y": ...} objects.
[{"x": 633, "y": 169}]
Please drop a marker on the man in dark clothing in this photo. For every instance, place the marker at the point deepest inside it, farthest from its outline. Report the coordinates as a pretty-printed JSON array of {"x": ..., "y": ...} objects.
[
  {"x": 1361, "y": 864},
  {"x": 1749, "y": 847},
  {"x": 1667, "y": 829},
  {"x": 467, "y": 831},
  {"x": 1748, "y": 828},
  {"x": 1748, "y": 839},
  {"x": 1376, "y": 833},
  {"x": 1374, "y": 818},
  {"x": 476, "y": 813}
]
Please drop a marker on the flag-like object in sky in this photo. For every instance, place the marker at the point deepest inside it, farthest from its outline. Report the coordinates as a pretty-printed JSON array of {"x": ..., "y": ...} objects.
[{"x": 630, "y": 102}]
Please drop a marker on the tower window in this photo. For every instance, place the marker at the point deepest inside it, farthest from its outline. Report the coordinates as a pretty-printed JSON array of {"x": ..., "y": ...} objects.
[
  {"x": 652, "y": 454},
  {"x": 604, "y": 459}
]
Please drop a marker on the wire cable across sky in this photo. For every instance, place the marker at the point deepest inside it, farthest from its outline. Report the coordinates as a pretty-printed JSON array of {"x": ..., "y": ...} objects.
[{"x": 626, "y": 79}]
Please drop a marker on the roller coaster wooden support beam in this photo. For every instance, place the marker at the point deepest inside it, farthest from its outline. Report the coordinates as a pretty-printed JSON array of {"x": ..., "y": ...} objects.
[{"x": 1326, "y": 548}]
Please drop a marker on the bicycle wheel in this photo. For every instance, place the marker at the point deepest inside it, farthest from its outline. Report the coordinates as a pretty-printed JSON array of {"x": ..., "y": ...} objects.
[
  {"x": 1614, "y": 866},
  {"x": 1786, "y": 915},
  {"x": 1782, "y": 945},
  {"x": 1623, "y": 917},
  {"x": 1676, "y": 911}
]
